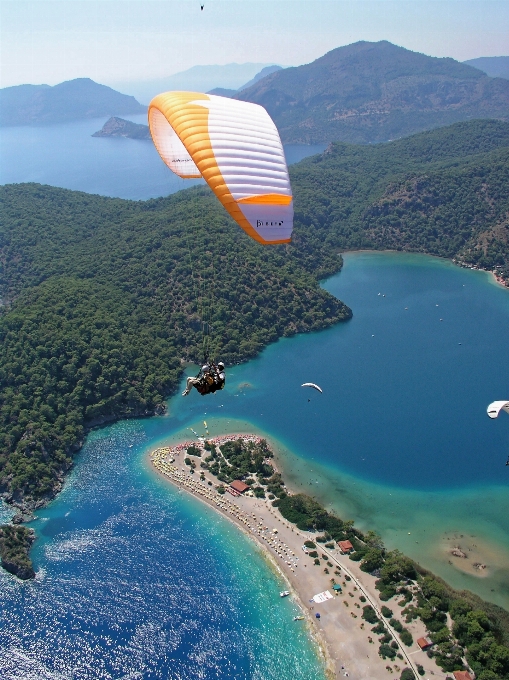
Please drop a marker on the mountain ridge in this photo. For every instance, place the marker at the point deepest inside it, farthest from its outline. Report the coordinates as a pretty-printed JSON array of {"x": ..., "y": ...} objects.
[
  {"x": 372, "y": 92},
  {"x": 495, "y": 67},
  {"x": 71, "y": 100}
]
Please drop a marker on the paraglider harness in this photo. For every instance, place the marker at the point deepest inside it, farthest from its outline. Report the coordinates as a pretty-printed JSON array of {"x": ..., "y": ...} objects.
[{"x": 209, "y": 381}]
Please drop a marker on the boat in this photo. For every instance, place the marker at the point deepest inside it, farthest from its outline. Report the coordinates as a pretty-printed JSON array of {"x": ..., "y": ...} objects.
[
  {"x": 284, "y": 593},
  {"x": 298, "y": 618}
]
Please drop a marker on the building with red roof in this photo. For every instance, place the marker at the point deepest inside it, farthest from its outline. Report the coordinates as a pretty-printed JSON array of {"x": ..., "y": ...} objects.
[
  {"x": 424, "y": 643},
  {"x": 239, "y": 486},
  {"x": 462, "y": 675},
  {"x": 345, "y": 546}
]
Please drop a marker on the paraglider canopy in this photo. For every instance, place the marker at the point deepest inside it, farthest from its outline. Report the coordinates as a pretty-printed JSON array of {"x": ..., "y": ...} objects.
[
  {"x": 313, "y": 386},
  {"x": 236, "y": 148},
  {"x": 496, "y": 406}
]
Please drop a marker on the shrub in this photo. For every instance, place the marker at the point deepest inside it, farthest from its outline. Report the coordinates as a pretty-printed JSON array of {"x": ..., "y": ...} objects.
[
  {"x": 323, "y": 539},
  {"x": 386, "y": 612},
  {"x": 406, "y": 637},
  {"x": 369, "y": 614},
  {"x": 362, "y": 598},
  {"x": 221, "y": 489},
  {"x": 420, "y": 669},
  {"x": 407, "y": 674},
  {"x": 309, "y": 544},
  {"x": 317, "y": 562},
  {"x": 397, "y": 625},
  {"x": 313, "y": 553},
  {"x": 386, "y": 652}
]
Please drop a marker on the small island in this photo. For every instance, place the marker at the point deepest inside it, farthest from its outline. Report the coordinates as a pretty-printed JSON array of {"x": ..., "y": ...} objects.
[
  {"x": 118, "y": 127},
  {"x": 393, "y": 615},
  {"x": 15, "y": 544}
]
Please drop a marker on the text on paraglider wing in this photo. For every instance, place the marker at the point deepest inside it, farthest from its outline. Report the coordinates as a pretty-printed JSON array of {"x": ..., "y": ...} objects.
[{"x": 261, "y": 223}]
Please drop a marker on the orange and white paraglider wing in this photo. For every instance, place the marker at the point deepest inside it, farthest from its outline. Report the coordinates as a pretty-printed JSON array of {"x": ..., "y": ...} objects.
[{"x": 236, "y": 148}]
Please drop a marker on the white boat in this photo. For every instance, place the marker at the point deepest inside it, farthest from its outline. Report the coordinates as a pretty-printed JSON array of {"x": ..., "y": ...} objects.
[{"x": 284, "y": 593}]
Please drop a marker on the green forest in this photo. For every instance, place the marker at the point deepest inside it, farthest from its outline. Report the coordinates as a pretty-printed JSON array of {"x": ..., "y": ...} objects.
[
  {"x": 105, "y": 300},
  {"x": 443, "y": 192}
]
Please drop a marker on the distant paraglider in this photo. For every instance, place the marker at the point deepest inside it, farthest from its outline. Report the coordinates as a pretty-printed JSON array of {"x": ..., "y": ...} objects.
[
  {"x": 236, "y": 148},
  {"x": 494, "y": 409},
  {"x": 496, "y": 406},
  {"x": 315, "y": 387}
]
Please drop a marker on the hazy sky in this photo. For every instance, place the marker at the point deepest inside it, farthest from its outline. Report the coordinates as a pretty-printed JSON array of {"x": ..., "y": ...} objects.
[{"x": 48, "y": 41}]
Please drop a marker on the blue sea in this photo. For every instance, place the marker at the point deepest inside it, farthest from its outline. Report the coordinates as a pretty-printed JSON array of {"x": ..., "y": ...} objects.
[
  {"x": 136, "y": 580},
  {"x": 67, "y": 156}
]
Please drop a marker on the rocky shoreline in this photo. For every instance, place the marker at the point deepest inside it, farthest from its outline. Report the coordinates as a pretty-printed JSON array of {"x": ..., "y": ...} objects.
[{"x": 15, "y": 544}]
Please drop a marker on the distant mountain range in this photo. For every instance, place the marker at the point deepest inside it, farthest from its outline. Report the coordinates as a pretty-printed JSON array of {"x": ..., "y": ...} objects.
[
  {"x": 196, "y": 79},
  {"x": 68, "y": 101},
  {"x": 496, "y": 67},
  {"x": 372, "y": 92},
  {"x": 225, "y": 92}
]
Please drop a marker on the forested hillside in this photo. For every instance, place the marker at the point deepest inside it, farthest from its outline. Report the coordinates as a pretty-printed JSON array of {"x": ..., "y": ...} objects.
[
  {"x": 105, "y": 300},
  {"x": 373, "y": 92},
  {"x": 444, "y": 192}
]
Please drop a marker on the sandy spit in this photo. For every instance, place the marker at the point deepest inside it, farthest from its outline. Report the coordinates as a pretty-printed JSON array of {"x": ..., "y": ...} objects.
[{"x": 345, "y": 641}]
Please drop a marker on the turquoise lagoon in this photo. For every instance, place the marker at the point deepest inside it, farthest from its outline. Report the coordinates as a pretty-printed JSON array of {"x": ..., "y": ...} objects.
[{"x": 137, "y": 580}]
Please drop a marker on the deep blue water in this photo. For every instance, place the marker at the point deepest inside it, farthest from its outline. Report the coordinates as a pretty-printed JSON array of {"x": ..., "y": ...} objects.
[
  {"x": 135, "y": 580},
  {"x": 68, "y": 156}
]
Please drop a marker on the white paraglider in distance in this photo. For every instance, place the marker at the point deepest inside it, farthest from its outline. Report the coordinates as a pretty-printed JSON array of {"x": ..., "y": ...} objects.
[
  {"x": 496, "y": 406},
  {"x": 315, "y": 387}
]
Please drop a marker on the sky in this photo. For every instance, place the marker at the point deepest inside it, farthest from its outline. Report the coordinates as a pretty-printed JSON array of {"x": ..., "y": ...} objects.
[{"x": 114, "y": 41}]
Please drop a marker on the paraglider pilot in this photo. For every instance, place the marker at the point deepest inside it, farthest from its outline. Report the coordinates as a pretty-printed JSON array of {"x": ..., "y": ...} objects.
[{"x": 210, "y": 379}]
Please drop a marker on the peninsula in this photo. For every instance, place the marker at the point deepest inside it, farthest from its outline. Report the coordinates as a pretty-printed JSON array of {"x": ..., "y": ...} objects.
[{"x": 392, "y": 615}]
